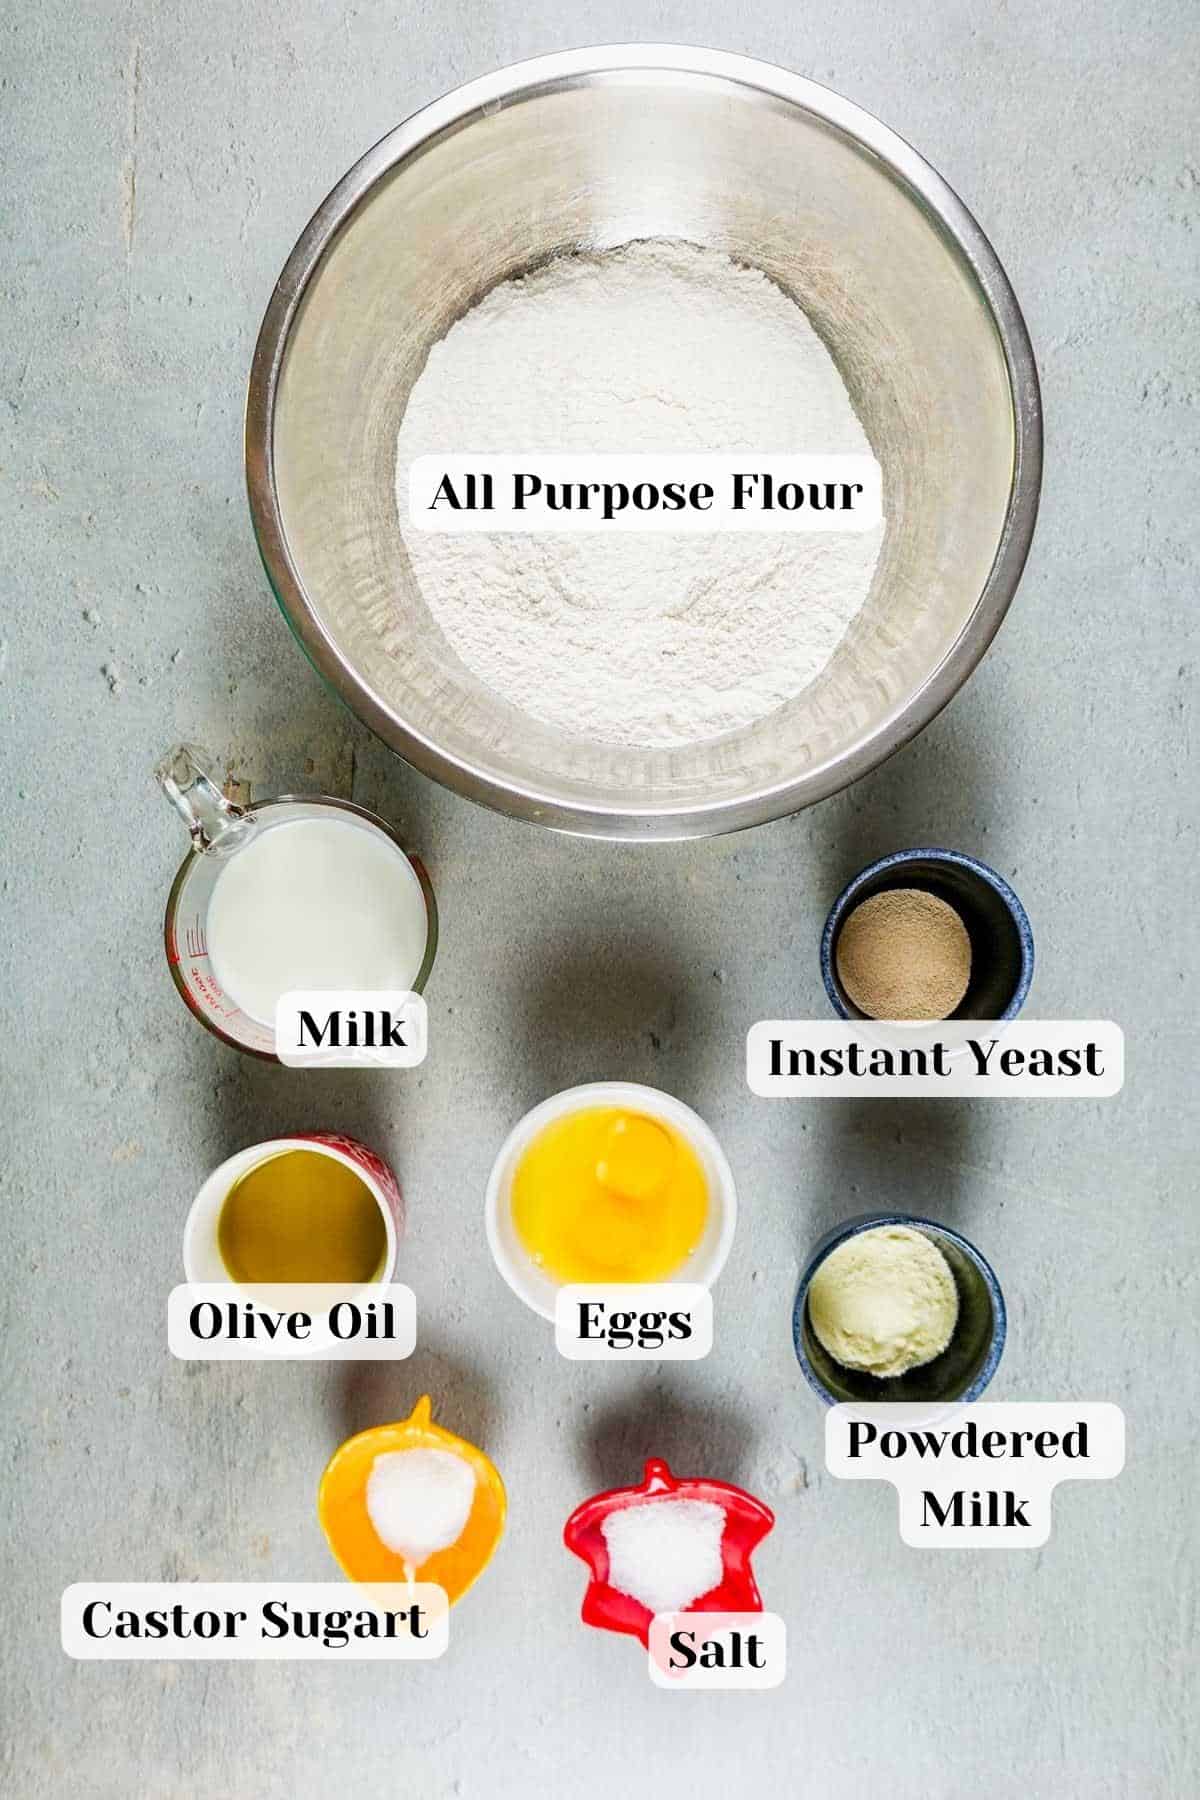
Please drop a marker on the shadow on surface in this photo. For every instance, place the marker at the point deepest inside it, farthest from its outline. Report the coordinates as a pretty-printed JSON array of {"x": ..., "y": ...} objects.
[
  {"x": 695, "y": 1437},
  {"x": 255, "y": 1101},
  {"x": 381, "y": 1393},
  {"x": 885, "y": 1155},
  {"x": 936, "y": 791},
  {"x": 587, "y": 1013}
]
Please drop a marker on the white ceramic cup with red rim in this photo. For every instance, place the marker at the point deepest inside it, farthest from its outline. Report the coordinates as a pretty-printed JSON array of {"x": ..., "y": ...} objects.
[{"x": 202, "y": 1259}]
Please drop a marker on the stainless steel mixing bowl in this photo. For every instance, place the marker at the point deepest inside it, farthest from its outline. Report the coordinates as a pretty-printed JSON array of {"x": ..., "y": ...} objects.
[{"x": 591, "y": 149}]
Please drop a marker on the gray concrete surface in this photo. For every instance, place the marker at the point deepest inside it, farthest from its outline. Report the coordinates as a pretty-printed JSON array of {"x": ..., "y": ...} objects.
[{"x": 159, "y": 163}]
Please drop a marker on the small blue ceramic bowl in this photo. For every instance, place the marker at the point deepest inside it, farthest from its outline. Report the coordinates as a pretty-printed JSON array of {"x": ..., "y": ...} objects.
[
  {"x": 997, "y": 923},
  {"x": 967, "y": 1363}
]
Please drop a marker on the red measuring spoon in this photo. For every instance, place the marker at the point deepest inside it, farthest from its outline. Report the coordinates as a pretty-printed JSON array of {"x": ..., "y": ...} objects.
[{"x": 747, "y": 1522}]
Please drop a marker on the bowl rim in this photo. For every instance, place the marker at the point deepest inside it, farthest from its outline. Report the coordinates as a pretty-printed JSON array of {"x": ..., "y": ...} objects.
[
  {"x": 635, "y": 1096},
  {"x": 929, "y": 192},
  {"x": 854, "y": 1227}
]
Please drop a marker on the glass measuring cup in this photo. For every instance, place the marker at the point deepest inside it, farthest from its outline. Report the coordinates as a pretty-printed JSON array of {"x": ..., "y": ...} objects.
[{"x": 219, "y": 831}]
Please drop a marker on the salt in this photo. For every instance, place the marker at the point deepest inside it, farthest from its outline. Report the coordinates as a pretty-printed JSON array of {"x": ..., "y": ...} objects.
[
  {"x": 665, "y": 1553},
  {"x": 419, "y": 1501}
]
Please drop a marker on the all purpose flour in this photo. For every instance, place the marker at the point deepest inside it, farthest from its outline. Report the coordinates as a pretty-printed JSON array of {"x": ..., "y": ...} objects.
[{"x": 637, "y": 639}]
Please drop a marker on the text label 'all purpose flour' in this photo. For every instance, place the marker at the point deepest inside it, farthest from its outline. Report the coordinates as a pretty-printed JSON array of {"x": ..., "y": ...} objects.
[{"x": 690, "y": 492}]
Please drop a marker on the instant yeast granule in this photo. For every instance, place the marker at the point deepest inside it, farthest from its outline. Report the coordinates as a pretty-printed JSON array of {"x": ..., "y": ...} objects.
[{"x": 904, "y": 954}]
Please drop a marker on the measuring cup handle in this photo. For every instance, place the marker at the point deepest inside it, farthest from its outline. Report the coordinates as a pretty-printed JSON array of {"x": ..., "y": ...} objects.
[{"x": 185, "y": 776}]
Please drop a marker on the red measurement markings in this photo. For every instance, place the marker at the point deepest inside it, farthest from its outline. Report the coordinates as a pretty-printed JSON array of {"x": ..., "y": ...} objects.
[{"x": 211, "y": 994}]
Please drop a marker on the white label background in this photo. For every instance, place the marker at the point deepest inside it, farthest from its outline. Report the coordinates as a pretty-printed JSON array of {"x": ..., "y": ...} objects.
[
  {"x": 637, "y": 1298},
  {"x": 314, "y": 1298},
  {"x": 1031, "y": 1477},
  {"x": 250, "y": 1597},
  {"x": 961, "y": 1080},
  {"x": 406, "y": 1009},
  {"x": 426, "y": 472},
  {"x": 768, "y": 1627}
]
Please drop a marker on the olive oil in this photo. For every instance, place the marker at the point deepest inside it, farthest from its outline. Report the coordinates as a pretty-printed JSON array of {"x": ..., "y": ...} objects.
[{"x": 304, "y": 1217}]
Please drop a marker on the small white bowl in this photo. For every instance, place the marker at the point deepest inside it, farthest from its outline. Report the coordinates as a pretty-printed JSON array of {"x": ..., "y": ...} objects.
[
  {"x": 532, "y": 1284},
  {"x": 202, "y": 1259}
]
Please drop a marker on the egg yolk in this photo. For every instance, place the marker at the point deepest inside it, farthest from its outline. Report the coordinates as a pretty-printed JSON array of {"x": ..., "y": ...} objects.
[{"x": 607, "y": 1195}]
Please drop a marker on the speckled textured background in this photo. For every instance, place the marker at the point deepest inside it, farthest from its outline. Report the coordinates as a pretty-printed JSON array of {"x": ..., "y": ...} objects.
[{"x": 159, "y": 163}]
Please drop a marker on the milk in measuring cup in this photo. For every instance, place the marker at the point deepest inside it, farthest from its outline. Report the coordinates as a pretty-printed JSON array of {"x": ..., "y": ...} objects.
[{"x": 314, "y": 903}]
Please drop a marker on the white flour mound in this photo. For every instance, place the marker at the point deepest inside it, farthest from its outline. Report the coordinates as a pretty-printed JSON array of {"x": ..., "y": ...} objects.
[{"x": 637, "y": 639}]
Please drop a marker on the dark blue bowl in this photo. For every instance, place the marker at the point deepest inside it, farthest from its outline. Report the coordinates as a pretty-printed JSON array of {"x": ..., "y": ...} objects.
[
  {"x": 967, "y": 1363},
  {"x": 996, "y": 922}
]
